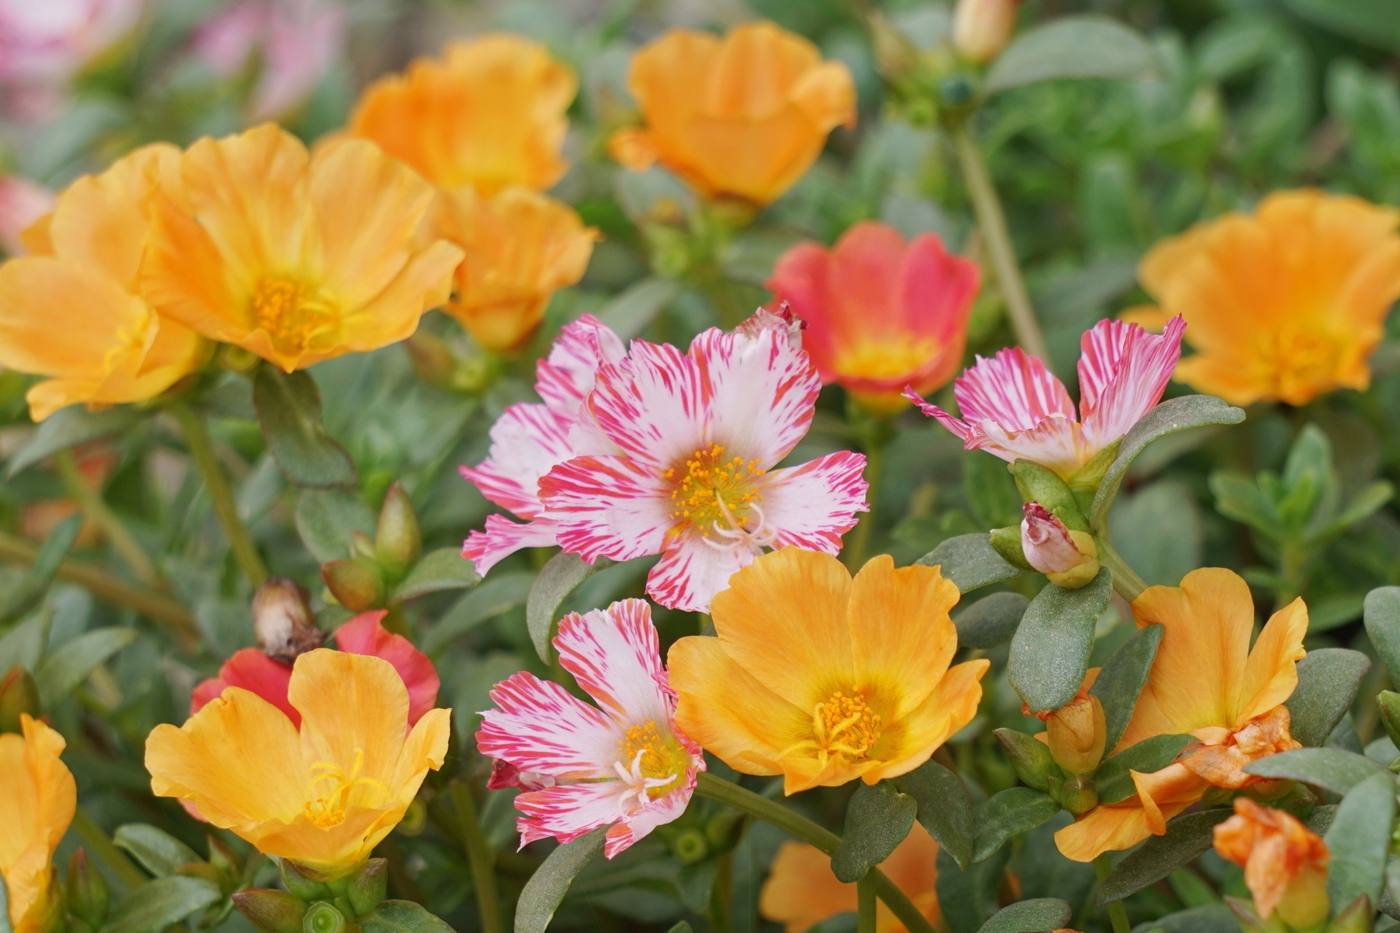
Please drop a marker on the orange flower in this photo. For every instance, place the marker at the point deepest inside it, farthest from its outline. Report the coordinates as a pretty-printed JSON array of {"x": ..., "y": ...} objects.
[
  {"x": 73, "y": 310},
  {"x": 1285, "y": 863},
  {"x": 823, "y": 678},
  {"x": 745, "y": 115},
  {"x": 1285, "y": 304},
  {"x": 488, "y": 115},
  {"x": 520, "y": 248},
  {"x": 297, "y": 258},
  {"x": 801, "y": 890},
  {"x": 1206, "y": 681},
  {"x": 880, "y": 314},
  {"x": 37, "y": 800}
]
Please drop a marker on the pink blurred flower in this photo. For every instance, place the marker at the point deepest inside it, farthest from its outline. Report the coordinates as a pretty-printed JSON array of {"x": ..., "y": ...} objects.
[
  {"x": 21, "y": 203},
  {"x": 43, "y": 43}
]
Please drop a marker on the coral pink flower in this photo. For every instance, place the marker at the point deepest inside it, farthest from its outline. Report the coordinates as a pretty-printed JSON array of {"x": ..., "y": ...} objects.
[
  {"x": 1014, "y": 407},
  {"x": 254, "y": 671},
  {"x": 530, "y": 439},
  {"x": 580, "y": 767},
  {"x": 880, "y": 314},
  {"x": 698, "y": 435}
]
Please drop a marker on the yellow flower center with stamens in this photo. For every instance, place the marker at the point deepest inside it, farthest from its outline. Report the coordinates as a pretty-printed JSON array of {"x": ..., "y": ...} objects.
[
  {"x": 843, "y": 724},
  {"x": 713, "y": 488},
  {"x": 331, "y": 790},
  {"x": 870, "y": 360},
  {"x": 292, "y": 314},
  {"x": 654, "y": 757},
  {"x": 1302, "y": 362}
]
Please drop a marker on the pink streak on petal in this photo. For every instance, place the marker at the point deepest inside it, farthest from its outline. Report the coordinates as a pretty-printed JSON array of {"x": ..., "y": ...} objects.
[
  {"x": 691, "y": 572},
  {"x": 1123, "y": 371},
  {"x": 652, "y": 404},
  {"x": 567, "y": 811},
  {"x": 1012, "y": 389},
  {"x": 811, "y": 506},
  {"x": 536, "y": 725},
  {"x": 503, "y": 537},
  {"x": 607, "y": 507},
  {"x": 527, "y": 441},
  {"x": 1045, "y": 541},
  {"x": 566, "y": 376},
  {"x": 615, "y": 656}
]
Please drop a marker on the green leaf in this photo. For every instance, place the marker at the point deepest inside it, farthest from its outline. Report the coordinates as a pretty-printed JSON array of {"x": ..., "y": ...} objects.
[
  {"x": 1209, "y": 918},
  {"x": 327, "y": 518},
  {"x": 1112, "y": 779},
  {"x": 629, "y": 313},
  {"x": 1239, "y": 498},
  {"x": 158, "y": 852},
  {"x": 1050, "y": 650},
  {"x": 1332, "y": 769},
  {"x": 1361, "y": 507},
  {"x": 1186, "y": 837},
  {"x": 990, "y": 492},
  {"x": 67, "y": 428},
  {"x": 1008, "y": 813},
  {"x": 68, "y": 666},
  {"x": 17, "y": 601},
  {"x": 556, "y": 581},
  {"x": 289, "y": 412},
  {"x": 1042, "y": 913},
  {"x": 436, "y": 572},
  {"x": 1371, "y": 21},
  {"x": 1171, "y": 417},
  {"x": 498, "y": 593},
  {"x": 877, "y": 819},
  {"x": 1382, "y": 619},
  {"x": 1072, "y": 47},
  {"x": 402, "y": 917},
  {"x": 550, "y": 882},
  {"x": 970, "y": 562},
  {"x": 1328, "y": 679},
  {"x": 989, "y": 621},
  {"x": 1121, "y": 680},
  {"x": 1359, "y": 840},
  {"x": 944, "y": 807},
  {"x": 159, "y": 903}
]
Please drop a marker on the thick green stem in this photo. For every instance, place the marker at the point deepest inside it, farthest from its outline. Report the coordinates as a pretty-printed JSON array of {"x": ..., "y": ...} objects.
[
  {"x": 102, "y": 848},
  {"x": 220, "y": 493},
  {"x": 1117, "y": 913},
  {"x": 865, "y": 905},
  {"x": 1125, "y": 580},
  {"x": 991, "y": 221},
  {"x": 97, "y": 511},
  {"x": 480, "y": 857},
  {"x": 795, "y": 824}
]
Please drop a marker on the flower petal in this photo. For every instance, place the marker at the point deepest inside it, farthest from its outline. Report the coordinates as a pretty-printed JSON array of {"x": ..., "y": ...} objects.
[
  {"x": 567, "y": 811},
  {"x": 1271, "y": 673},
  {"x": 652, "y": 404},
  {"x": 566, "y": 376},
  {"x": 354, "y": 712},
  {"x": 811, "y": 506},
  {"x": 252, "y": 670},
  {"x": 947, "y": 708},
  {"x": 693, "y": 569},
  {"x": 607, "y": 507},
  {"x": 538, "y": 726},
  {"x": 636, "y": 824},
  {"x": 1123, "y": 371},
  {"x": 503, "y": 537},
  {"x": 527, "y": 441},
  {"x": 365, "y": 634},
  {"x": 616, "y": 658},
  {"x": 1013, "y": 390}
]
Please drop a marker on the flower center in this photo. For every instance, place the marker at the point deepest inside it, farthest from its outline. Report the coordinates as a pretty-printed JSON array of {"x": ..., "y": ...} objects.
[
  {"x": 1301, "y": 362},
  {"x": 650, "y": 762},
  {"x": 871, "y": 360},
  {"x": 331, "y": 789},
  {"x": 843, "y": 724},
  {"x": 292, "y": 314},
  {"x": 717, "y": 494}
]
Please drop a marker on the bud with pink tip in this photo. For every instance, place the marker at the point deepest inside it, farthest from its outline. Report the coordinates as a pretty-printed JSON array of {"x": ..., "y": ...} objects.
[{"x": 1069, "y": 558}]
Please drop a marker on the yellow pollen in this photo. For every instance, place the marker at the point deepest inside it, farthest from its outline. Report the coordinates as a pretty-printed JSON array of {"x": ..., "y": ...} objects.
[
  {"x": 329, "y": 794},
  {"x": 712, "y": 488},
  {"x": 657, "y": 757},
  {"x": 844, "y": 725},
  {"x": 292, "y": 314},
  {"x": 888, "y": 360}
]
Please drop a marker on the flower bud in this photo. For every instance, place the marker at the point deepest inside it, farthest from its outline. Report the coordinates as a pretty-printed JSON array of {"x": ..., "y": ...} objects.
[
  {"x": 303, "y": 883},
  {"x": 1036, "y": 483},
  {"x": 1069, "y": 558},
  {"x": 273, "y": 911},
  {"x": 895, "y": 56},
  {"x": 86, "y": 890},
  {"x": 1029, "y": 758},
  {"x": 323, "y": 917},
  {"x": 368, "y": 886},
  {"x": 1078, "y": 794},
  {"x": 1077, "y": 733},
  {"x": 18, "y": 694},
  {"x": 355, "y": 583},
  {"x": 432, "y": 359},
  {"x": 1358, "y": 917},
  {"x": 397, "y": 541},
  {"x": 1389, "y": 702},
  {"x": 282, "y": 620},
  {"x": 1007, "y": 542},
  {"x": 981, "y": 28}
]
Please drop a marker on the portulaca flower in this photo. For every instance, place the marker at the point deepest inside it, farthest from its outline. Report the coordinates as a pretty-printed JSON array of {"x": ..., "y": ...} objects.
[
  {"x": 1014, "y": 407},
  {"x": 619, "y": 764}
]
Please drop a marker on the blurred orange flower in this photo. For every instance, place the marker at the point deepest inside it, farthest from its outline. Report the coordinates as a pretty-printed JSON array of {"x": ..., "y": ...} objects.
[
  {"x": 823, "y": 678},
  {"x": 37, "y": 800},
  {"x": 488, "y": 115},
  {"x": 801, "y": 890},
  {"x": 744, "y": 115},
  {"x": 1285, "y": 863},
  {"x": 881, "y": 314},
  {"x": 297, "y": 258},
  {"x": 1285, "y": 304},
  {"x": 1207, "y": 682}
]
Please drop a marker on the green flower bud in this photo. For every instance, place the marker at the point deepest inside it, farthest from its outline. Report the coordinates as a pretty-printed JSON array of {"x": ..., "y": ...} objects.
[
  {"x": 18, "y": 694},
  {"x": 301, "y": 883},
  {"x": 1389, "y": 702},
  {"x": 1078, "y": 794},
  {"x": 1007, "y": 542},
  {"x": 323, "y": 917},
  {"x": 397, "y": 540},
  {"x": 1039, "y": 484},
  {"x": 269, "y": 910},
  {"x": 86, "y": 890},
  {"x": 355, "y": 583},
  {"x": 368, "y": 886},
  {"x": 1030, "y": 758}
]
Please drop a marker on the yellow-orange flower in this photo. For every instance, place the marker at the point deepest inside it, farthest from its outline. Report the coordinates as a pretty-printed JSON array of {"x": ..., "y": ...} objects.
[
  {"x": 520, "y": 247},
  {"x": 37, "y": 799},
  {"x": 488, "y": 115},
  {"x": 1207, "y": 682},
  {"x": 1285, "y": 304},
  {"x": 322, "y": 796},
  {"x": 1285, "y": 863},
  {"x": 744, "y": 115},
  {"x": 824, "y": 678},
  {"x": 295, "y": 257},
  {"x": 801, "y": 890},
  {"x": 73, "y": 311}
]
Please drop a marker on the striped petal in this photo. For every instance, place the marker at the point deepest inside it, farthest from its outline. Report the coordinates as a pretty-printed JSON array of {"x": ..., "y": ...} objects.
[
  {"x": 616, "y": 658},
  {"x": 1013, "y": 390},
  {"x": 1123, "y": 371},
  {"x": 527, "y": 440},
  {"x": 566, "y": 376},
  {"x": 502, "y": 537},
  {"x": 635, "y": 825},
  {"x": 538, "y": 727},
  {"x": 693, "y": 569},
  {"x": 567, "y": 811},
  {"x": 607, "y": 507},
  {"x": 811, "y": 506},
  {"x": 652, "y": 404}
]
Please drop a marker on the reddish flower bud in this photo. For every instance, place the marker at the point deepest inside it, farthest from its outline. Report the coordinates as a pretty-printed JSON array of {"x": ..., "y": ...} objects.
[{"x": 1069, "y": 558}]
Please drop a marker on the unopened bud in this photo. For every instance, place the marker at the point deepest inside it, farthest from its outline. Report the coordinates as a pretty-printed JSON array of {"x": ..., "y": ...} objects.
[
  {"x": 302, "y": 882},
  {"x": 368, "y": 886},
  {"x": 1358, "y": 917},
  {"x": 1069, "y": 558},
  {"x": 397, "y": 540},
  {"x": 1078, "y": 794},
  {"x": 1305, "y": 904},
  {"x": 1078, "y": 732},
  {"x": 432, "y": 358},
  {"x": 895, "y": 56},
  {"x": 86, "y": 890},
  {"x": 982, "y": 28},
  {"x": 1389, "y": 702},
  {"x": 270, "y": 910},
  {"x": 1007, "y": 542},
  {"x": 282, "y": 620},
  {"x": 322, "y": 917},
  {"x": 19, "y": 695},
  {"x": 1039, "y": 484},
  {"x": 689, "y": 846},
  {"x": 355, "y": 583},
  {"x": 1030, "y": 759}
]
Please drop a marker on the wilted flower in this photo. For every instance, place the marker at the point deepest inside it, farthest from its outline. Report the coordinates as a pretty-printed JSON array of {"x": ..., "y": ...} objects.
[
  {"x": 824, "y": 678},
  {"x": 745, "y": 115},
  {"x": 343, "y": 777},
  {"x": 295, "y": 257},
  {"x": 37, "y": 801},
  {"x": 880, "y": 314},
  {"x": 1069, "y": 558},
  {"x": 1284, "y": 862},
  {"x": 698, "y": 435},
  {"x": 1015, "y": 408},
  {"x": 21, "y": 203},
  {"x": 624, "y": 766},
  {"x": 1285, "y": 304},
  {"x": 982, "y": 28}
]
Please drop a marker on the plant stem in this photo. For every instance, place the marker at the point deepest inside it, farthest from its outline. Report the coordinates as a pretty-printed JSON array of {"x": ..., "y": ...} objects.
[
  {"x": 860, "y": 540},
  {"x": 96, "y": 839},
  {"x": 480, "y": 856},
  {"x": 96, "y": 509},
  {"x": 795, "y": 824},
  {"x": 220, "y": 493},
  {"x": 1125, "y": 580},
  {"x": 1117, "y": 914},
  {"x": 865, "y": 905},
  {"x": 992, "y": 222}
]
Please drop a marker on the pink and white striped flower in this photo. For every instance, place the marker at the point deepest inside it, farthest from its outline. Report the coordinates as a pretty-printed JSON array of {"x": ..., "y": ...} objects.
[
  {"x": 1014, "y": 407},
  {"x": 620, "y": 764},
  {"x": 530, "y": 439},
  {"x": 698, "y": 435}
]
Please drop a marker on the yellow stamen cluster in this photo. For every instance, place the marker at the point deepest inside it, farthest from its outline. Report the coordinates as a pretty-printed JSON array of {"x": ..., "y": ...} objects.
[
  {"x": 292, "y": 315},
  {"x": 842, "y": 724},
  {"x": 660, "y": 756},
  {"x": 711, "y": 489},
  {"x": 331, "y": 789},
  {"x": 1298, "y": 359}
]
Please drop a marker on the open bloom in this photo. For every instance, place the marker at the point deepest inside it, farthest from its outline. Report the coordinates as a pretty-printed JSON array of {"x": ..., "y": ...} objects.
[
  {"x": 37, "y": 800},
  {"x": 1285, "y": 304},
  {"x": 744, "y": 115},
  {"x": 21, "y": 203},
  {"x": 322, "y": 794},
  {"x": 521, "y": 247},
  {"x": 622, "y": 764},
  {"x": 824, "y": 678},
  {"x": 295, "y": 257},
  {"x": 252, "y": 670},
  {"x": 880, "y": 314},
  {"x": 1015, "y": 408},
  {"x": 801, "y": 890},
  {"x": 699, "y": 434},
  {"x": 1207, "y": 682},
  {"x": 73, "y": 310},
  {"x": 1284, "y": 862},
  {"x": 488, "y": 115},
  {"x": 530, "y": 439}
]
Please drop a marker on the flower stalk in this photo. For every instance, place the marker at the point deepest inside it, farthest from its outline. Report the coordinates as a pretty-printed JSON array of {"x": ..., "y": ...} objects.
[
  {"x": 480, "y": 857},
  {"x": 96, "y": 509},
  {"x": 1117, "y": 914},
  {"x": 1126, "y": 582}
]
